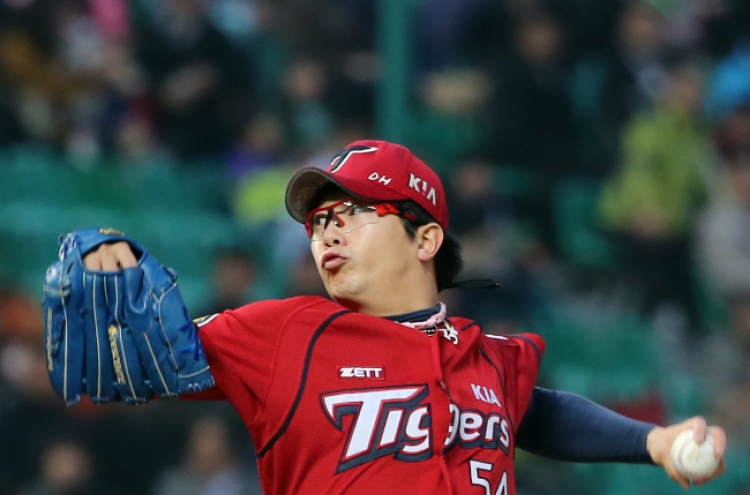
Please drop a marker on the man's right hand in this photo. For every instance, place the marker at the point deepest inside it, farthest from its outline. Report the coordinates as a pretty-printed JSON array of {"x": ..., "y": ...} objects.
[{"x": 110, "y": 257}]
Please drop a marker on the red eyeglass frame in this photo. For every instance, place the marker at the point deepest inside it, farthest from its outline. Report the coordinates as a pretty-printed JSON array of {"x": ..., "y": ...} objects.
[{"x": 381, "y": 209}]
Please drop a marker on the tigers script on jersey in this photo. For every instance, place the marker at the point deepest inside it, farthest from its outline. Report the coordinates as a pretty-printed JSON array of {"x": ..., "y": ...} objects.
[{"x": 339, "y": 402}]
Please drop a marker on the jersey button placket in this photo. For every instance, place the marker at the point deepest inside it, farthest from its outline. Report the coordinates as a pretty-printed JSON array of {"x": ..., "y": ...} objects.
[{"x": 441, "y": 413}]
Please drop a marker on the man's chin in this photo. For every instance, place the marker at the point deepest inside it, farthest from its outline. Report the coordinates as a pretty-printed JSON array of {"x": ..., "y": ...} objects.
[{"x": 342, "y": 292}]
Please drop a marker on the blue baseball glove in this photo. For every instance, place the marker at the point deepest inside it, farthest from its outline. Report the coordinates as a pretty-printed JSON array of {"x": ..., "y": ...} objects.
[{"x": 122, "y": 335}]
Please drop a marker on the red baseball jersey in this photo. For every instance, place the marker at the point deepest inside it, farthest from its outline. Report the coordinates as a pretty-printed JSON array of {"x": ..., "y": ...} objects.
[{"x": 345, "y": 403}]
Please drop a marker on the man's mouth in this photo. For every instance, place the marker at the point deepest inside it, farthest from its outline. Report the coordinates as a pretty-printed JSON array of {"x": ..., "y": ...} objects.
[{"x": 332, "y": 261}]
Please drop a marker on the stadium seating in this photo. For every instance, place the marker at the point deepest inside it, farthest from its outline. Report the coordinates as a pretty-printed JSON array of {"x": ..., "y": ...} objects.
[{"x": 179, "y": 213}]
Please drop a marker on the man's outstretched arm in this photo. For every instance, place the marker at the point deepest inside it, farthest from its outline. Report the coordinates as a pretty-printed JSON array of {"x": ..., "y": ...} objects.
[{"x": 566, "y": 426}]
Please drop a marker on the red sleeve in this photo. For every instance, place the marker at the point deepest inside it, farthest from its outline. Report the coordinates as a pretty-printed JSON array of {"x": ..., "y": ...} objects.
[
  {"x": 532, "y": 349},
  {"x": 241, "y": 347},
  {"x": 521, "y": 356}
]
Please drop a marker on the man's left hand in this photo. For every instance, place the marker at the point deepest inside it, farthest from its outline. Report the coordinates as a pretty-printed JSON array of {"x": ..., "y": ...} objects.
[{"x": 659, "y": 443}]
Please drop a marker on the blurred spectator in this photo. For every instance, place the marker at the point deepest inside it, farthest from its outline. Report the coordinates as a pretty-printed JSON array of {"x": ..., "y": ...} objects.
[
  {"x": 440, "y": 26},
  {"x": 260, "y": 147},
  {"x": 494, "y": 246},
  {"x": 723, "y": 231},
  {"x": 332, "y": 29},
  {"x": 32, "y": 415},
  {"x": 613, "y": 81},
  {"x": 688, "y": 19},
  {"x": 126, "y": 124},
  {"x": 723, "y": 254},
  {"x": 70, "y": 67},
  {"x": 233, "y": 280},
  {"x": 66, "y": 468},
  {"x": 476, "y": 203},
  {"x": 638, "y": 71},
  {"x": 731, "y": 399},
  {"x": 210, "y": 466},
  {"x": 487, "y": 30},
  {"x": 312, "y": 52},
  {"x": 81, "y": 51},
  {"x": 20, "y": 316},
  {"x": 255, "y": 196},
  {"x": 534, "y": 126},
  {"x": 730, "y": 82},
  {"x": 453, "y": 118},
  {"x": 486, "y": 34},
  {"x": 200, "y": 81},
  {"x": 239, "y": 20},
  {"x": 458, "y": 92},
  {"x": 33, "y": 418},
  {"x": 652, "y": 201},
  {"x": 307, "y": 118},
  {"x": 11, "y": 129},
  {"x": 50, "y": 54},
  {"x": 148, "y": 441},
  {"x": 303, "y": 278},
  {"x": 724, "y": 24}
]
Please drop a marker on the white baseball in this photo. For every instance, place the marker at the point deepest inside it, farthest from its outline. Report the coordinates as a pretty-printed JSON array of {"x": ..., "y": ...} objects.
[{"x": 694, "y": 460}]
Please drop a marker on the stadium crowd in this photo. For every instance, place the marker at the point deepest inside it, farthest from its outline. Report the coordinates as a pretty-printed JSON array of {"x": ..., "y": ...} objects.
[{"x": 597, "y": 155}]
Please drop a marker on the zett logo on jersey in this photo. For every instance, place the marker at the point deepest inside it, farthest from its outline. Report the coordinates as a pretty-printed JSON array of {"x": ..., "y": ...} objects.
[{"x": 369, "y": 372}]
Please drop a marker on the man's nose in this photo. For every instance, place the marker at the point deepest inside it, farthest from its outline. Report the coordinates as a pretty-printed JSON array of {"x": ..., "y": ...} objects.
[{"x": 333, "y": 235}]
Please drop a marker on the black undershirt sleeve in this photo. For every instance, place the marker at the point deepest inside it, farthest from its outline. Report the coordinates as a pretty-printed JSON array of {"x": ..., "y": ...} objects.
[{"x": 568, "y": 427}]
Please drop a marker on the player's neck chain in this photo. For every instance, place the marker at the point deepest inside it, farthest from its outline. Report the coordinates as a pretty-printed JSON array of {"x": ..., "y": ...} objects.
[{"x": 435, "y": 323}]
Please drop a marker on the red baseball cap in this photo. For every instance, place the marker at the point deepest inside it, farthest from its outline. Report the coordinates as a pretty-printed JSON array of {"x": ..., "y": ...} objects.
[{"x": 374, "y": 171}]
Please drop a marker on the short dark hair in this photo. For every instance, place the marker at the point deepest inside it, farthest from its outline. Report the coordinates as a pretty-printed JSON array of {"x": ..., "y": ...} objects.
[{"x": 448, "y": 261}]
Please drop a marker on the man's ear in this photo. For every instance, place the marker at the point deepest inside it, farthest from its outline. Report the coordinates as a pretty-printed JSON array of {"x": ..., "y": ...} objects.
[{"x": 430, "y": 237}]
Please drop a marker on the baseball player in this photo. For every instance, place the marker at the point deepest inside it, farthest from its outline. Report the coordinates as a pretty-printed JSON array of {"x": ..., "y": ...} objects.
[{"x": 378, "y": 390}]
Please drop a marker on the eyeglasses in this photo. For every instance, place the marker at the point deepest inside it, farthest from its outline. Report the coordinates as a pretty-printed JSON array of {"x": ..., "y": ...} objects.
[{"x": 349, "y": 215}]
